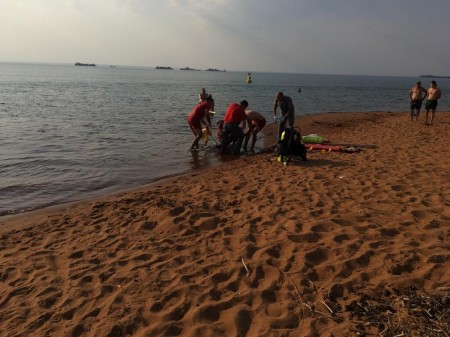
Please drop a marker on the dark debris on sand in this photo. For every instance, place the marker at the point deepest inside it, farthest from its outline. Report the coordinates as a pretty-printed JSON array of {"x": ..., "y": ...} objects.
[{"x": 414, "y": 313}]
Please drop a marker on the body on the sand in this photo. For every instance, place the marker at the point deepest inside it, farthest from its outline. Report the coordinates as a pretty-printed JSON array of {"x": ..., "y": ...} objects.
[
  {"x": 197, "y": 118},
  {"x": 433, "y": 94},
  {"x": 417, "y": 94},
  {"x": 234, "y": 117},
  {"x": 256, "y": 123},
  {"x": 287, "y": 111}
]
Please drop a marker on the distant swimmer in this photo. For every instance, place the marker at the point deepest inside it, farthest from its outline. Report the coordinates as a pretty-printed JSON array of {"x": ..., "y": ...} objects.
[
  {"x": 299, "y": 89},
  {"x": 202, "y": 96}
]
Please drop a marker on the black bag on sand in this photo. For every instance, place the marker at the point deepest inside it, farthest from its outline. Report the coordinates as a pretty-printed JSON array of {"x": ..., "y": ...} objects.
[
  {"x": 297, "y": 148},
  {"x": 289, "y": 145}
]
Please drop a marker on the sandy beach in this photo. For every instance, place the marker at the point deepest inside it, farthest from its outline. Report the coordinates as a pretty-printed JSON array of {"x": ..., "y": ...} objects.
[{"x": 344, "y": 244}]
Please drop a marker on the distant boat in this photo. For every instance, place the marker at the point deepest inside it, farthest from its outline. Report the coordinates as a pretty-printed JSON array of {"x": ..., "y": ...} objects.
[
  {"x": 164, "y": 68},
  {"x": 433, "y": 76},
  {"x": 214, "y": 69},
  {"x": 85, "y": 64},
  {"x": 187, "y": 68},
  {"x": 249, "y": 78}
]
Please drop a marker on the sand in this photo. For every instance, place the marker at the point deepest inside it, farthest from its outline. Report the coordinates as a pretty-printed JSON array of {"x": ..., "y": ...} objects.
[{"x": 334, "y": 246}]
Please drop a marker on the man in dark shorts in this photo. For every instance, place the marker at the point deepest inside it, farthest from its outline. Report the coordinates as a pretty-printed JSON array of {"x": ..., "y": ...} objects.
[
  {"x": 433, "y": 94},
  {"x": 256, "y": 122},
  {"x": 415, "y": 94},
  {"x": 234, "y": 116},
  {"x": 287, "y": 111}
]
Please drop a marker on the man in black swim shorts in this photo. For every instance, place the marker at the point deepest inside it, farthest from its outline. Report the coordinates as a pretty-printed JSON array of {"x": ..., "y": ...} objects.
[
  {"x": 415, "y": 94},
  {"x": 431, "y": 105},
  {"x": 433, "y": 94}
]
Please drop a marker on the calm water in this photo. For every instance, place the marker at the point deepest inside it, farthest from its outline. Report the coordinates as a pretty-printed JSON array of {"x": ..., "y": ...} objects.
[{"x": 69, "y": 133}]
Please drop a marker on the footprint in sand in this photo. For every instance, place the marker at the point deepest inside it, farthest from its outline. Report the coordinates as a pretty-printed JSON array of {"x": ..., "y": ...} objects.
[
  {"x": 341, "y": 238},
  {"x": 317, "y": 256},
  {"x": 242, "y": 321}
]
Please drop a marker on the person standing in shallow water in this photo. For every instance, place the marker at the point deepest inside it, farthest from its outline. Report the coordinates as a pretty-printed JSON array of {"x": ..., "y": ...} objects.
[
  {"x": 417, "y": 94},
  {"x": 256, "y": 123},
  {"x": 197, "y": 117},
  {"x": 234, "y": 116},
  {"x": 433, "y": 94},
  {"x": 287, "y": 111},
  {"x": 202, "y": 96}
]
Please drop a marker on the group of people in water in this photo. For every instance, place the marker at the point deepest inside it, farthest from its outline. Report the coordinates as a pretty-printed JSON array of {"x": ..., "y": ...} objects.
[
  {"x": 237, "y": 119},
  {"x": 418, "y": 94}
]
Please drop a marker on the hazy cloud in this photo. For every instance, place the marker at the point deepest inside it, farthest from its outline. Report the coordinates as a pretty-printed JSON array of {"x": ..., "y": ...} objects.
[{"x": 312, "y": 36}]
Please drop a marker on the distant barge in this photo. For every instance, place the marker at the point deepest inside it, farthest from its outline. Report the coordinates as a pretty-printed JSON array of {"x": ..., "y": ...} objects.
[
  {"x": 187, "y": 68},
  {"x": 85, "y": 64},
  {"x": 433, "y": 76}
]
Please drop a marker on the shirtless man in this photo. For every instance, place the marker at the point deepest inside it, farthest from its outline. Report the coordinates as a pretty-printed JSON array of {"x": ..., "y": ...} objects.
[
  {"x": 433, "y": 94},
  {"x": 202, "y": 96},
  {"x": 256, "y": 123},
  {"x": 415, "y": 94}
]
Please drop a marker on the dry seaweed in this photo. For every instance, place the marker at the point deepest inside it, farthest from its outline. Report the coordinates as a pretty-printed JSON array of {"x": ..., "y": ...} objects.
[{"x": 415, "y": 313}]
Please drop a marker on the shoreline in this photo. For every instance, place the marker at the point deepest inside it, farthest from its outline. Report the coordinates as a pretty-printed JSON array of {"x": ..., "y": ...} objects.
[
  {"x": 249, "y": 247},
  {"x": 268, "y": 144}
]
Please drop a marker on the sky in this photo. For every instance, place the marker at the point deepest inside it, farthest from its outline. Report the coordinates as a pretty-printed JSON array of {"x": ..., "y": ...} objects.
[{"x": 359, "y": 37}]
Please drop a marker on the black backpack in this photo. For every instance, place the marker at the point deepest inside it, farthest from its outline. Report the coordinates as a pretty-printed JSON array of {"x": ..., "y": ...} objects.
[{"x": 291, "y": 144}]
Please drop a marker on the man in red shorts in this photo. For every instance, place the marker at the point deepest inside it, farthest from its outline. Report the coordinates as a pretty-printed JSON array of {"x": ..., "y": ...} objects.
[
  {"x": 197, "y": 117},
  {"x": 234, "y": 116},
  {"x": 256, "y": 122}
]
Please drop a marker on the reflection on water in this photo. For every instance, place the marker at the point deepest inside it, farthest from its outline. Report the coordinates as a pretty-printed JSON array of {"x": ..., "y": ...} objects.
[{"x": 200, "y": 159}]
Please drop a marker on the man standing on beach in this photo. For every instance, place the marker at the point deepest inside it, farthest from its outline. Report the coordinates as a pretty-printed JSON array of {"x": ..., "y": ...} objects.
[
  {"x": 415, "y": 94},
  {"x": 433, "y": 94},
  {"x": 197, "y": 117},
  {"x": 256, "y": 123},
  {"x": 287, "y": 112},
  {"x": 234, "y": 116}
]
